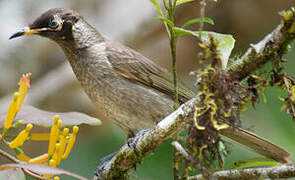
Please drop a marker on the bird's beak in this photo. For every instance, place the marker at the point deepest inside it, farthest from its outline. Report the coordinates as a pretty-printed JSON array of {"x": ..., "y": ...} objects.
[{"x": 25, "y": 31}]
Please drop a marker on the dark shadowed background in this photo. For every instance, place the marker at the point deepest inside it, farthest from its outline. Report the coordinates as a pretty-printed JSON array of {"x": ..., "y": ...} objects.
[{"x": 54, "y": 87}]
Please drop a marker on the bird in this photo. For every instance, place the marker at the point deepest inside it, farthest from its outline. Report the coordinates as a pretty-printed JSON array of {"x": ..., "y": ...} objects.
[{"x": 125, "y": 86}]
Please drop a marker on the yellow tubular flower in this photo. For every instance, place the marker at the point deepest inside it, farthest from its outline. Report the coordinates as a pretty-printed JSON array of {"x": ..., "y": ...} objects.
[
  {"x": 21, "y": 137},
  {"x": 24, "y": 84},
  {"x": 56, "y": 178},
  {"x": 292, "y": 98},
  {"x": 56, "y": 156},
  {"x": 71, "y": 142},
  {"x": 54, "y": 135},
  {"x": 47, "y": 176},
  {"x": 39, "y": 136},
  {"x": 11, "y": 111},
  {"x": 52, "y": 163},
  {"x": 39, "y": 159},
  {"x": 63, "y": 141},
  {"x": 21, "y": 155}
]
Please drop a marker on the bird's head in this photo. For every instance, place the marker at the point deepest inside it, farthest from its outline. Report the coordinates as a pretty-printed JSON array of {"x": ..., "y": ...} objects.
[
  {"x": 56, "y": 24},
  {"x": 62, "y": 26}
]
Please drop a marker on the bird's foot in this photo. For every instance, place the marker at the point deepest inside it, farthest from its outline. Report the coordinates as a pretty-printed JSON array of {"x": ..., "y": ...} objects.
[
  {"x": 102, "y": 162},
  {"x": 132, "y": 141}
]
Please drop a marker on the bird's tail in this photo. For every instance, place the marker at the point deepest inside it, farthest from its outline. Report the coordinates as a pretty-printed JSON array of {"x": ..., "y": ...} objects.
[{"x": 256, "y": 144}]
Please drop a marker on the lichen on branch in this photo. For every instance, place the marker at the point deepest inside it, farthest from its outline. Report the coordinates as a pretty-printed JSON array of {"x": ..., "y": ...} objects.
[{"x": 271, "y": 48}]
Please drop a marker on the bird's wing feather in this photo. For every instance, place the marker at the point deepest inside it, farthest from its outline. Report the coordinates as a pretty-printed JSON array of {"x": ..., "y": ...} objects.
[
  {"x": 134, "y": 66},
  {"x": 256, "y": 143}
]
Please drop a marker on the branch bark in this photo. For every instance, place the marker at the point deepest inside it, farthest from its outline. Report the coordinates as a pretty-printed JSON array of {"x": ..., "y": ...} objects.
[
  {"x": 283, "y": 171},
  {"x": 130, "y": 154},
  {"x": 271, "y": 48}
]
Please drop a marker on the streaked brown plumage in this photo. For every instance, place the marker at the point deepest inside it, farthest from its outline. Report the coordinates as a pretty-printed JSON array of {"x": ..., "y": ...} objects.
[{"x": 127, "y": 87}]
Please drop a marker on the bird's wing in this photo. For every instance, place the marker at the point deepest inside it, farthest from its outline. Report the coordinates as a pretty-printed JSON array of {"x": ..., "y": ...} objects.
[
  {"x": 134, "y": 66},
  {"x": 256, "y": 143}
]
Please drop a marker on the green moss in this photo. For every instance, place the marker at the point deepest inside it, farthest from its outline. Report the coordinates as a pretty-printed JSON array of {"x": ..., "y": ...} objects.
[
  {"x": 292, "y": 28},
  {"x": 287, "y": 15}
]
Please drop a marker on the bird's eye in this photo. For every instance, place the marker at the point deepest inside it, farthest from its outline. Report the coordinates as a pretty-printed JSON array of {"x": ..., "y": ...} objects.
[{"x": 53, "y": 23}]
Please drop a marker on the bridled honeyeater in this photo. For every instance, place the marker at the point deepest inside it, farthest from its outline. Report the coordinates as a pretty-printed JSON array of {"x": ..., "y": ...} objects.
[{"x": 126, "y": 87}]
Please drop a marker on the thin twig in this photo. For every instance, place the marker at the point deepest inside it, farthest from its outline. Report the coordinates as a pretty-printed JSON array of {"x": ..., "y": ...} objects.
[
  {"x": 283, "y": 171},
  {"x": 9, "y": 156},
  {"x": 202, "y": 15},
  {"x": 12, "y": 158},
  {"x": 34, "y": 175},
  {"x": 173, "y": 41},
  {"x": 188, "y": 157},
  {"x": 191, "y": 160}
]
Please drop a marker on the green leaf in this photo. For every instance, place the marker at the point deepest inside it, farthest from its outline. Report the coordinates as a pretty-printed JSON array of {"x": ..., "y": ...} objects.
[
  {"x": 157, "y": 5},
  {"x": 225, "y": 45},
  {"x": 30, "y": 114},
  {"x": 12, "y": 174},
  {"x": 170, "y": 23},
  {"x": 198, "y": 20},
  {"x": 179, "y": 2},
  {"x": 254, "y": 162}
]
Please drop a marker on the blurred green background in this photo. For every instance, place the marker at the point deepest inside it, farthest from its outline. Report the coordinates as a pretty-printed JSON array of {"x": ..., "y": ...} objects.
[{"x": 55, "y": 88}]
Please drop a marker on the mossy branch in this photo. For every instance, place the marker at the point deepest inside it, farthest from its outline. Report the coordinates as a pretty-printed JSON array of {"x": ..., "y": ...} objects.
[
  {"x": 283, "y": 171},
  {"x": 271, "y": 48},
  {"x": 132, "y": 153}
]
